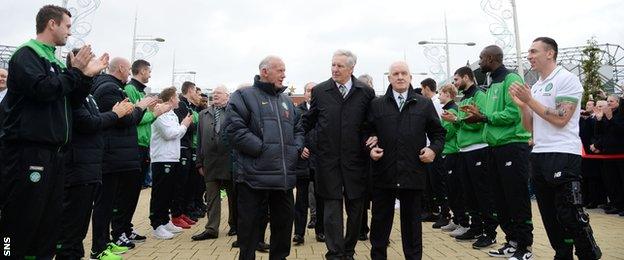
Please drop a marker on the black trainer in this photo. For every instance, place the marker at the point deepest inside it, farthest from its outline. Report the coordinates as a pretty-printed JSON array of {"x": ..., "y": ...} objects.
[
  {"x": 298, "y": 239},
  {"x": 135, "y": 237},
  {"x": 504, "y": 252},
  {"x": 522, "y": 254},
  {"x": 471, "y": 234},
  {"x": 124, "y": 241},
  {"x": 442, "y": 221},
  {"x": 484, "y": 241}
]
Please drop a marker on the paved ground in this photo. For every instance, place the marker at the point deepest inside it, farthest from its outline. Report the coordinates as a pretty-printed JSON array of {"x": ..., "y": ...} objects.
[{"x": 608, "y": 229}]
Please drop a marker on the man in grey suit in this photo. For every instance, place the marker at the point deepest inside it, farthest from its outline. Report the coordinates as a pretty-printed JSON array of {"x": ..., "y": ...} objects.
[{"x": 214, "y": 163}]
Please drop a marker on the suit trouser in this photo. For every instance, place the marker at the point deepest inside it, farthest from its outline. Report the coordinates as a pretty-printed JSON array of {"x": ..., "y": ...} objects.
[
  {"x": 383, "y": 215},
  {"x": 164, "y": 175},
  {"x": 593, "y": 185},
  {"x": 77, "y": 206},
  {"x": 250, "y": 204},
  {"x": 338, "y": 243},
  {"x": 126, "y": 201},
  {"x": 613, "y": 173},
  {"x": 301, "y": 206},
  {"x": 103, "y": 212},
  {"x": 556, "y": 179},
  {"x": 455, "y": 190},
  {"x": 32, "y": 192},
  {"x": 509, "y": 167},
  {"x": 478, "y": 198},
  {"x": 213, "y": 201},
  {"x": 319, "y": 227}
]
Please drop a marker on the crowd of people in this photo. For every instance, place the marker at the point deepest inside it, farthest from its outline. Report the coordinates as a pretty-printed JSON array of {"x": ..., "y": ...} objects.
[{"x": 81, "y": 138}]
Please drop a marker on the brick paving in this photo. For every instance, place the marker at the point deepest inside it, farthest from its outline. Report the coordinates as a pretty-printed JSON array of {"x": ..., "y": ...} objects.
[{"x": 608, "y": 230}]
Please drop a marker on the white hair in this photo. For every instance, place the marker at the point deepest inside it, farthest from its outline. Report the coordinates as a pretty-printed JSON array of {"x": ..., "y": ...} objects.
[
  {"x": 222, "y": 88},
  {"x": 116, "y": 62},
  {"x": 351, "y": 58},
  {"x": 265, "y": 62},
  {"x": 366, "y": 79}
]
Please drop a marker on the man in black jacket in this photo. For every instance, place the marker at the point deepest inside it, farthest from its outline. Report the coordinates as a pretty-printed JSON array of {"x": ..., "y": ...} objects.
[
  {"x": 402, "y": 120},
  {"x": 338, "y": 113},
  {"x": 121, "y": 152},
  {"x": 83, "y": 174},
  {"x": 267, "y": 141},
  {"x": 36, "y": 130}
]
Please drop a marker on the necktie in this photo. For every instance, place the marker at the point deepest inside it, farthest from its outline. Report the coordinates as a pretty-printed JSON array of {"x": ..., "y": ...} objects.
[
  {"x": 217, "y": 117},
  {"x": 343, "y": 90},
  {"x": 401, "y": 102}
]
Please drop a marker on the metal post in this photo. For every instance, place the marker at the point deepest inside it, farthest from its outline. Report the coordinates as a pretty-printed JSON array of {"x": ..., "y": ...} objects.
[
  {"x": 517, "y": 35},
  {"x": 134, "y": 36},
  {"x": 448, "y": 59},
  {"x": 173, "y": 70}
]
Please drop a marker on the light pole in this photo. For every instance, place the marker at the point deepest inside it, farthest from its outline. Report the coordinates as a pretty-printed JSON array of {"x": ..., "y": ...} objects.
[
  {"x": 517, "y": 36},
  {"x": 139, "y": 39}
]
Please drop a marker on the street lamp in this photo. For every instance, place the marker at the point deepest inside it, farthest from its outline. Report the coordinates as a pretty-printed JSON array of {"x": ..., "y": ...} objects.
[{"x": 137, "y": 39}]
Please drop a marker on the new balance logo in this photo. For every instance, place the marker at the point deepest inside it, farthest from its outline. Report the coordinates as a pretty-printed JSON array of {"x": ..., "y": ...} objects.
[
  {"x": 508, "y": 164},
  {"x": 557, "y": 174},
  {"x": 478, "y": 164}
]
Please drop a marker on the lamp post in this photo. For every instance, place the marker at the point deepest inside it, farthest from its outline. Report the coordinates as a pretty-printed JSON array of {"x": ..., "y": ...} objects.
[
  {"x": 137, "y": 39},
  {"x": 517, "y": 36}
]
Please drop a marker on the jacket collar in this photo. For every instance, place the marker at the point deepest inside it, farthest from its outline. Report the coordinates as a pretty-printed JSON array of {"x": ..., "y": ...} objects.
[
  {"x": 411, "y": 94},
  {"x": 499, "y": 74},
  {"x": 138, "y": 84},
  {"x": 269, "y": 88},
  {"x": 449, "y": 105},
  {"x": 469, "y": 92}
]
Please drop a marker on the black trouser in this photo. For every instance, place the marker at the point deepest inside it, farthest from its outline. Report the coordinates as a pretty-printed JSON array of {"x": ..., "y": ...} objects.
[
  {"x": 478, "y": 196},
  {"x": 103, "y": 212},
  {"x": 191, "y": 187},
  {"x": 144, "y": 156},
  {"x": 301, "y": 205},
  {"x": 32, "y": 191},
  {"x": 319, "y": 227},
  {"x": 339, "y": 244},
  {"x": 164, "y": 175},
  {"x": 383, "y": 215},
  {"x": 593, "y": 185},
  {"x": 438, "y": 186},
  {"x": 180, "y": 183},
  {"x": 509, "y": 168},
  {"x": 77, "y": 206},
  {"x": 364, "y": 229},
  {"x": 281, "y": 208},
  {"x": 556, "y": 179},
  {"x": 455, "y": 190},
  {"x": 613, "y": 172},
  {"x": 126, "y": 201}
]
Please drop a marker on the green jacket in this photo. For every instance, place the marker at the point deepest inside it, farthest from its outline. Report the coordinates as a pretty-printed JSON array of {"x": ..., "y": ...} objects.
[
  {"x": 504, "y": 118},
  {"x": 469, "y": 134},
  {"x": 135, "y": 92},
  {"x": 450, "y": 139}
]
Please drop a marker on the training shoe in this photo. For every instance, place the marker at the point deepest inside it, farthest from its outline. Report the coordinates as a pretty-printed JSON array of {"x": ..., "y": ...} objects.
[
  {"x": 161, "y": 232},
  {"x": 105, "y": 255},
  {"x": 449, "y": 227},
  {"x": 441, "y": 222},
  {"x": 179, "y": 222},
  {"x": 522, "y": 254},
  {"x": 135, "y": 237},
  {"x": 187, "y": 219},
  {"x": 461, "y": 233},
  {"x": 484, "y": 241},
  {"x": 173, "y": 228},
  {"x": 263, "y": 247},
  {"x": 124, "y": 241},
  {"x": 115, "y": 249},
  {"x": 504, "y": 252},
  {"x": 298, "y": 239}
]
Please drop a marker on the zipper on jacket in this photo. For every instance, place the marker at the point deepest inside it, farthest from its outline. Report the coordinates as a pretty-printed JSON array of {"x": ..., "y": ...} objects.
[
  {"x": 66, "y": 125},
  {"x": 279, "y": 124}
]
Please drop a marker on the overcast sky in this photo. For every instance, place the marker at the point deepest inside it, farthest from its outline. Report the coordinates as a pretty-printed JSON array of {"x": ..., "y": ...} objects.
[{"x": 223, "y": 41}]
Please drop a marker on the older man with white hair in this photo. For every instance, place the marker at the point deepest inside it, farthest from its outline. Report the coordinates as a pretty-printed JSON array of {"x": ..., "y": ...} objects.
[{"x": 338, "y": 113}]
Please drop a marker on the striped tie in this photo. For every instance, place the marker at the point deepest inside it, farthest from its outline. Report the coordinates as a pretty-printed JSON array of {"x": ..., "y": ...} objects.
[
  {"x": 343, "y": 90},
  {"x": 401, "y": 102},
  {"x": 217, "y": 117}
]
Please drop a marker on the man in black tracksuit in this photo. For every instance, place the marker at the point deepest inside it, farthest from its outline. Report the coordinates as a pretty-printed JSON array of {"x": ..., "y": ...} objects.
[
  {"x": 266, "y": 139},
  {"x": 35, "y": 133},
  {"x": 121, "y": 152},
  {"x": 403, "y": 120}
]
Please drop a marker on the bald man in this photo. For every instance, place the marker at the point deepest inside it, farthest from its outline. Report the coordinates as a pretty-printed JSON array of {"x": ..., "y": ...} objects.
[
  {"x": 121, "y": 154},
  {"x": 508, "y": 172},
  {"x": 402, "y": 120}
]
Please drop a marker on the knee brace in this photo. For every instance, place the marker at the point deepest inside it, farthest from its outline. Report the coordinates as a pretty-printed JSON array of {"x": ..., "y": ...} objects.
[{"x": 581, "y": 230}]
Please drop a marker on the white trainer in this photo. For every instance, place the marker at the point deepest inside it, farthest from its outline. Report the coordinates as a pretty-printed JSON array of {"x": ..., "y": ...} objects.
[
  {"x": 172, "y": 228},
  {"x": 161, "y": 232},
  {"x": 459, "y": 231}
]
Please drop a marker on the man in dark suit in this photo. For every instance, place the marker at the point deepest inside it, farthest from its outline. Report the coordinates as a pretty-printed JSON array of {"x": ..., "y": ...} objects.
[
  {"x": 214, "y": 164},
  {"x": 402, "y": 120},
  {"x": 338, "y": 114}
]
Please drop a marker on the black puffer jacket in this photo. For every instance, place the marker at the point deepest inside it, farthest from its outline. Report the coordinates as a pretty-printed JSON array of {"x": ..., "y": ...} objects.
[
  {"x": 84, "y": 156},
  {"x": 608, "y": 132},
  {"x": 121, "y": 150},
  {"x": 262, "y": 126}
]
